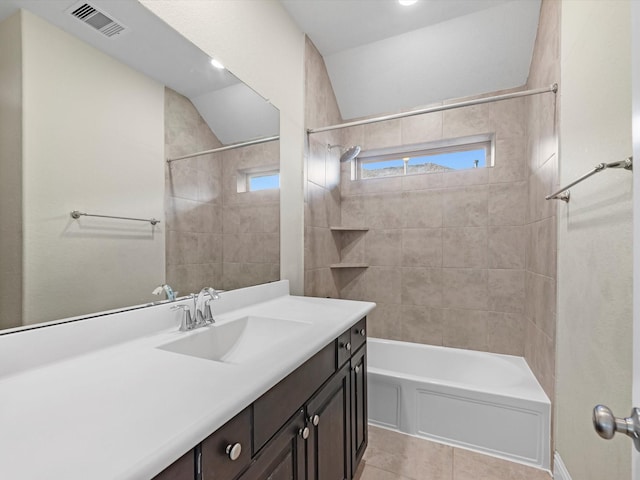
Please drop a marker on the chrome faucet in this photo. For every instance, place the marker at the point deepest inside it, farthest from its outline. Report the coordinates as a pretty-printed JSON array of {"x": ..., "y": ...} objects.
[
  {"x": 171, "y": 295},
  {"x": 204, "y": 316}
]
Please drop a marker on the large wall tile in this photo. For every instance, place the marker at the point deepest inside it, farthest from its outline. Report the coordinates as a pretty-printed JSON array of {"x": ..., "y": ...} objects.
[
  {"x": 422, "y": 286},
  {"x": 506, "y": 247},
  {"x": 466, "y": 207},
  {"x": 422, "y": 247},
  {"x": 506, "y": 291},
  {"x": 383, "y": 247},
  {"x": 464, "y": 247},
  {"x": 422, "y": 208},
  {"x": 465, "y": 329},
  {"x": 465, "y": 288}
]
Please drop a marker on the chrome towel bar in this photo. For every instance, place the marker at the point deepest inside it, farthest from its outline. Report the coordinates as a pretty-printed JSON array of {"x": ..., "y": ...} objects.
[
  {"x": 77, "y": 214},
  {"x": 565, "y": 196}
]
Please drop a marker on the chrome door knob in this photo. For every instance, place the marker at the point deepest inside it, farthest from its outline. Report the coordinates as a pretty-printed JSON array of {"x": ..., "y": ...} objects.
[
  {"x": 356, "y": 369},
  {"x": 304, "y": 432},
  {"x": 606, "y": 424},
  {"x": 347, "y": 346},
  {"x": 234, "y": 451},
  {"x": 363, "y": 332},
  {"x": 315, "y": 420}
]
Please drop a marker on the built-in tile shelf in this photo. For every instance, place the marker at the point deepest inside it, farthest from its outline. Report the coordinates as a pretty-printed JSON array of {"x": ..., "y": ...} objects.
[
  {"x": 349, "y": 264},
  {"x": 349, "y": 229}
]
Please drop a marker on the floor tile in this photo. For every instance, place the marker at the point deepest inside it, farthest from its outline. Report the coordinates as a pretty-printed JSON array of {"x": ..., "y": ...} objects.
[
  {"x": 469, "y": 465},
  {"x": 408, "y": 456}
]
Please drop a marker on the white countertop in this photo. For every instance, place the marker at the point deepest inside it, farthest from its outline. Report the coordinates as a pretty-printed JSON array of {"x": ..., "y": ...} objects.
[{"x": 128, "y": 410}]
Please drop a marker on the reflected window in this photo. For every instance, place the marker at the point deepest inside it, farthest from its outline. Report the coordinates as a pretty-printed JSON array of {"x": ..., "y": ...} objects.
[{"x": 256, "y": 179}]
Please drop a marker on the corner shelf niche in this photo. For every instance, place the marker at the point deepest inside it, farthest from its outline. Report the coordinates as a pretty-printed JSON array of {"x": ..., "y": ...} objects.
[{"x": 349, "y": 264}]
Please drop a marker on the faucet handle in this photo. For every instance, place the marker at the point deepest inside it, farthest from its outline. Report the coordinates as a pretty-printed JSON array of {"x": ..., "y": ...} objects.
[
  {"x": 208, "y": 314},
  {"x": 171, "y": 295},
  {"x": 187, "y": 322}
]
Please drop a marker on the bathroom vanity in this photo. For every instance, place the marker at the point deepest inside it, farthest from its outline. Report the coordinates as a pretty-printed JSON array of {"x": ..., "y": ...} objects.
[
  {"x": 275, "y": 388},
  {"x": 312, "y": 424}
]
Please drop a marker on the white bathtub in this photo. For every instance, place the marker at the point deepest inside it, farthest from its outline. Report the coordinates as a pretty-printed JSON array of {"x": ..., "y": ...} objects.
[{"x": 481, "y": 401}]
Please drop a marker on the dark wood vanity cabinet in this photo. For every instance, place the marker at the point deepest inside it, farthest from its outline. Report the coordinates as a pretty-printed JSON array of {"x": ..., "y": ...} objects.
[
  {"x": 312, "y": 425},
  {"x": 359, "y": 417},
  {"x": 284, "y": 457},
  {"x": 329, "y": 418}
]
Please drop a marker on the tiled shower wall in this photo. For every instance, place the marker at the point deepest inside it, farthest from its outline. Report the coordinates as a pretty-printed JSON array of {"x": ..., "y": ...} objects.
[
  {"x": 322, "y": 186},
  {"x": 542, "y": 166},
  {"x": 446, "y": 251},
  {"x": 216, "y": 236},
  {"x": 463, "y": 259}
]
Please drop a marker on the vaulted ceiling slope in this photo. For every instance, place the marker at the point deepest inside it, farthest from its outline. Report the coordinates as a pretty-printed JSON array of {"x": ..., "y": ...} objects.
[{"x": 382, "y": 57}]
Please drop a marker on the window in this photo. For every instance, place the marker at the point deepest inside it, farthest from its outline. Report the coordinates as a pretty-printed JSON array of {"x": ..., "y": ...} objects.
[
  {"x": 254, "y": 180},
  {"x": 264, "y": 181},
  {"x": 436, "y": 157}
]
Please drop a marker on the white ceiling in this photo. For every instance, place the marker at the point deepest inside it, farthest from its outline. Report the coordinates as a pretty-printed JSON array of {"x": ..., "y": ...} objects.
[
  {"x": 382, "y": 57},
  {"x": 152, "y": 47}
]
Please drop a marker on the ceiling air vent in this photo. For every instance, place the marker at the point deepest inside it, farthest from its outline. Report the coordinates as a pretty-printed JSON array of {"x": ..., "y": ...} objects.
[{"x": 99, "y": 20}]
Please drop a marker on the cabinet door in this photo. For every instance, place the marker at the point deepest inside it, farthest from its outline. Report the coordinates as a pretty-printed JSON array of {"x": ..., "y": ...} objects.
[
  {"x": 358, "y": 406},
  {"x": 283, "y": 458},
  {"x": 329, "y": 447}
]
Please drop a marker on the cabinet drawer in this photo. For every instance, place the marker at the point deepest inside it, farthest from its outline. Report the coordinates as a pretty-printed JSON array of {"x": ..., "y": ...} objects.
[
  {"x": 216, "y": 449},
  {"x": 344, "y": 347},
  {"x": 276, "y": 406},
  {"x": 358, "y": 334}
]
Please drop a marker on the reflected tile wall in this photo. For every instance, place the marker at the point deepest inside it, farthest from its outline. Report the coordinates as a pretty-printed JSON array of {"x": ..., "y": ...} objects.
[
  {"x": 215, "y": 235},
  {"x": 193, "y": 200}
]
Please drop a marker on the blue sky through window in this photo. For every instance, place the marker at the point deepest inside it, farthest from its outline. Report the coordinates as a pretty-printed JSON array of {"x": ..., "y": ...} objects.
[{"x": 264, "y": 182}]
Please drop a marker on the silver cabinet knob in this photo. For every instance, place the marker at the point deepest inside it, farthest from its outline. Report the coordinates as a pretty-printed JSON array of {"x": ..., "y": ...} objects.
[
  {"x": 606, "y": 424},
  {"x": 234, "y": 451},
  {"x": 362, "y": 332},
  {"x": 356, "y": 369},
  {"x": 304, "y": 432},
  {"x": 347, "y": 346},
  {"x": 315, "y": 420}
]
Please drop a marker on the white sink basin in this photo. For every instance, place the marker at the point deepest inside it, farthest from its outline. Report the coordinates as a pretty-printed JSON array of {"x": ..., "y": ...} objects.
[{"x": 235, "y": 341}]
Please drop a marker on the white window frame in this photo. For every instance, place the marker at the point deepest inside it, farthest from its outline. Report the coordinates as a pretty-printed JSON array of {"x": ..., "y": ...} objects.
[
  {"x": 244, "y": 178},
  {"x": 486, "y": 141}
]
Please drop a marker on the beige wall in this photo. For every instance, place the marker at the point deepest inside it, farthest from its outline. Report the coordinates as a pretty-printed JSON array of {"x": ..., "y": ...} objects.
[
  {"x": 10, "y": 172},
  {"x": 93, "y": 141},
  {"x": 542, "y": 168},
  {"x": 216, "y": 236},
  {"x": 594, "y": 332},
  {"x": 260, "y": 44}
]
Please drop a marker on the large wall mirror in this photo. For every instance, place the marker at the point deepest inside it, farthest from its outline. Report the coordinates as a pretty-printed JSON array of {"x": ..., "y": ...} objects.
[{"x": 95, "y": 97}]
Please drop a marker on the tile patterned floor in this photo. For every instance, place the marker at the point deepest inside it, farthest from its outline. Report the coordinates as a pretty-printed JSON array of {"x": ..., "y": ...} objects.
[{"x": 394, "y": 456}]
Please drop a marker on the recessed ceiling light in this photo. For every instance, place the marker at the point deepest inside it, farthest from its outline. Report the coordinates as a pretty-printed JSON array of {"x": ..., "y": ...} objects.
[
  {"x": 217, "y": 64},
  {"x": 406, "y": 3}
]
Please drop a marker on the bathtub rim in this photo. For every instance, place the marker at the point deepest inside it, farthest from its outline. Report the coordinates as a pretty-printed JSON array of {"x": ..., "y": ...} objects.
[{"x": 537, "y": 395}]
